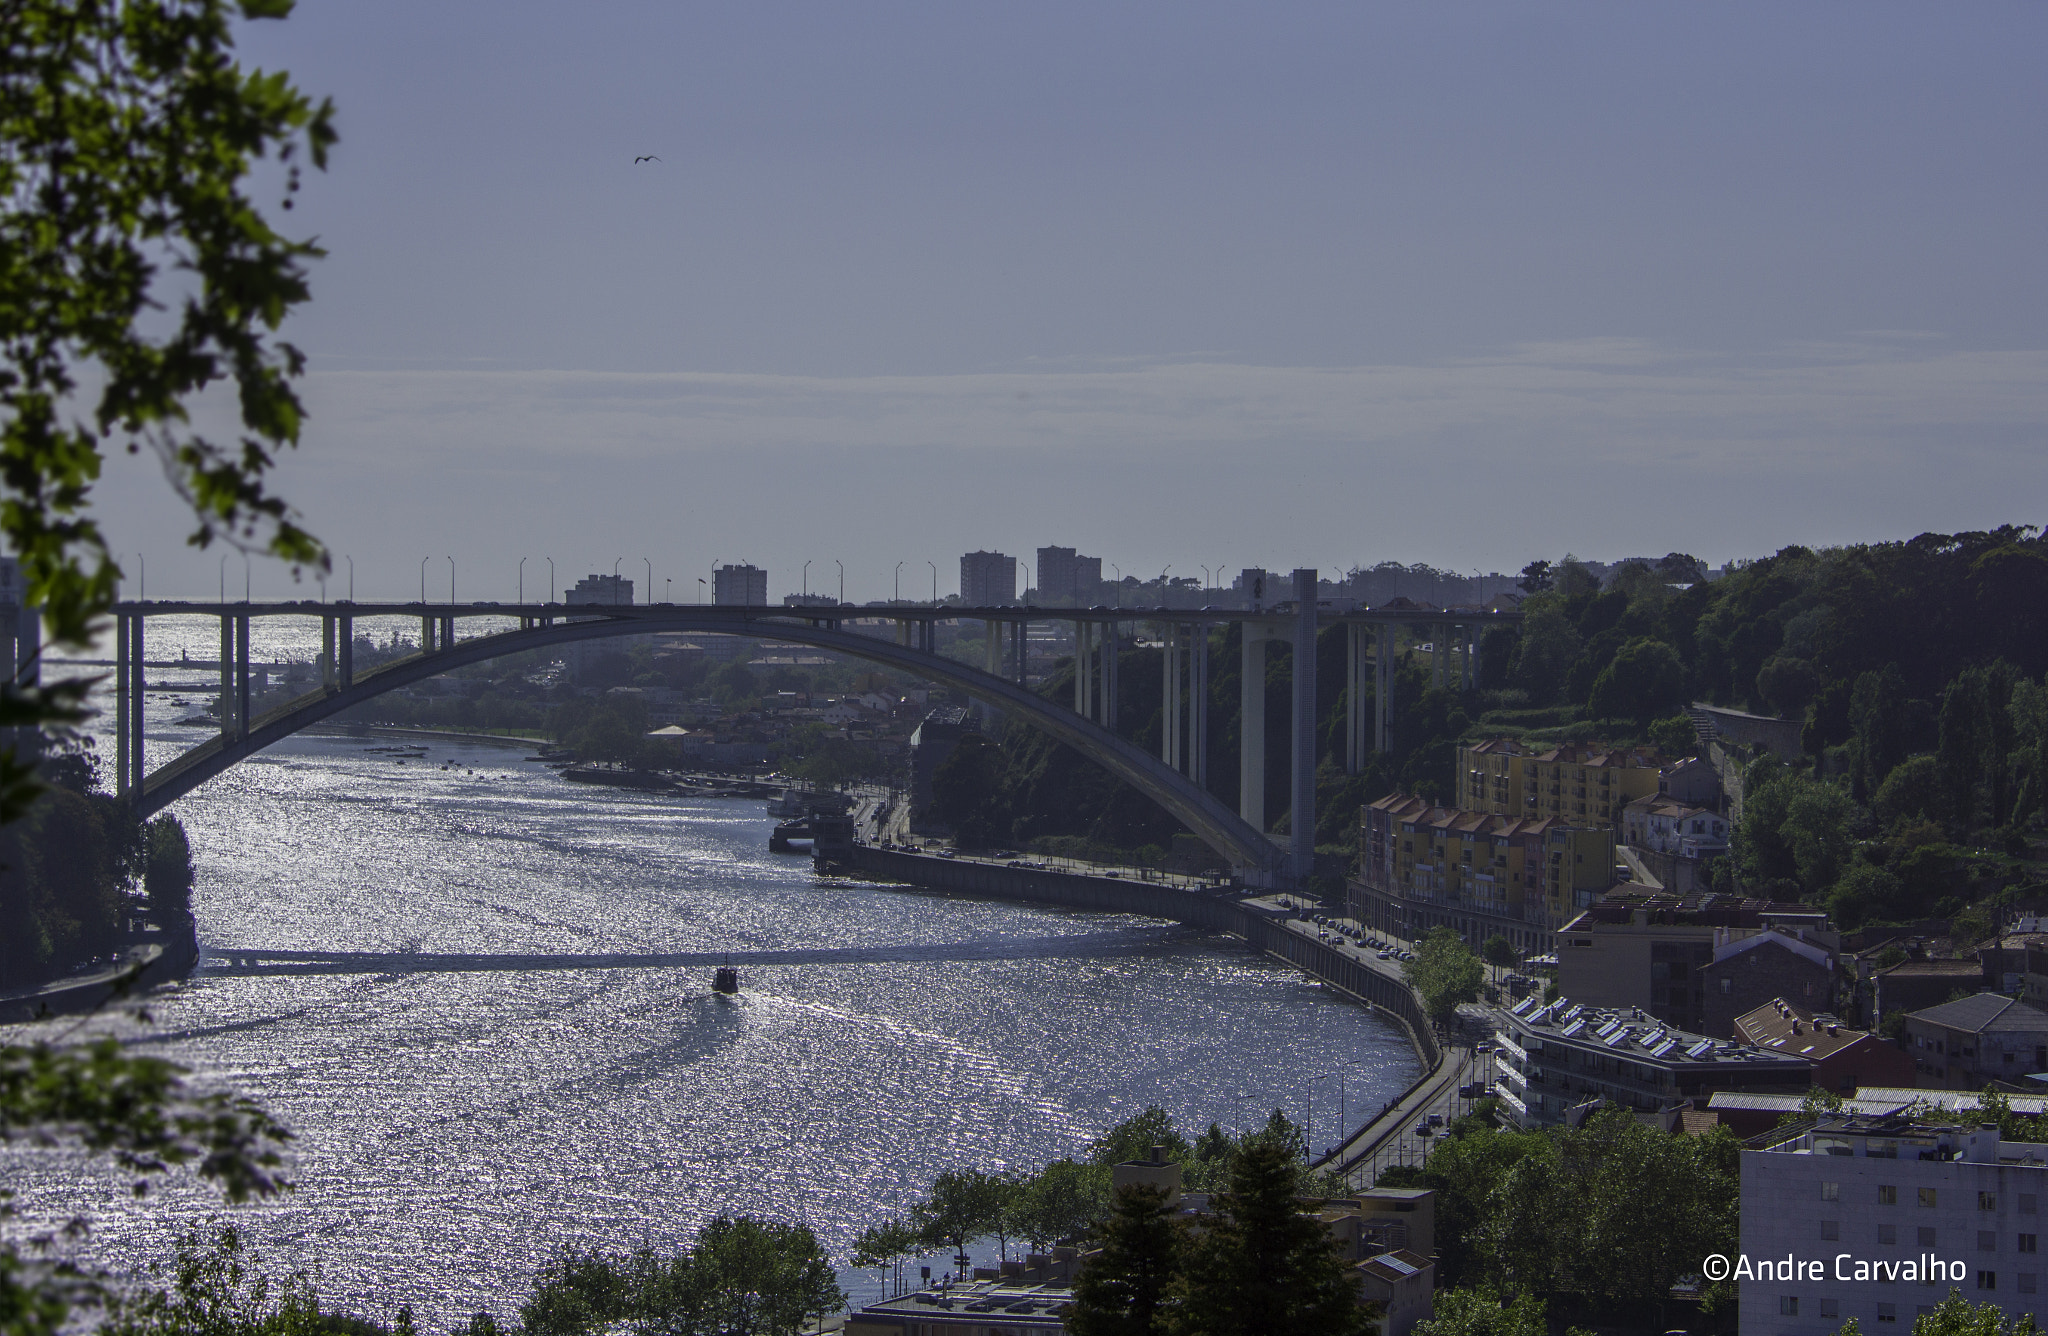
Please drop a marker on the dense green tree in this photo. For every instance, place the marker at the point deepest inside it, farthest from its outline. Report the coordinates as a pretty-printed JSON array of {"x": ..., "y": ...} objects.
[
  {"x": 167, "y": 876},
  {"x": 760, "y": 1278},
  {"x": 883, "y": 1247},
  {"x": 967, "y": 793},
  {"x": 1643, "y": 681},
  {"x": 2029, "y": 710},
  {"x": 65, "y": 868},
  {"x": 1878, "y": 723},
  {"x": 964, "y": 1205},
  {"x": 1550, "y": 644},
  {"x": 1957, "y": 1316},
  {"x": 1499, "y": 951},
  {"x": 1061, "y": 1201},
  {"x": 576, "y": 1291},
  {"x": 1125, "y": 1288},
  {"x": 1134, "y": 1138},
  {"x": 1910, "y": 793},
  {"x": 1483, "y": 1313},
  {"x": 1266, "y": 1267},
  {"x": 1795, "y": 836},
  {"x": 218, "y": 1287},
  {"x": 1445, "y": 973}
]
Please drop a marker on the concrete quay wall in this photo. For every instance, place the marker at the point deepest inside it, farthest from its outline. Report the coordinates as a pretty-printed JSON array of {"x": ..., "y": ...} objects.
[{"x": 1262, "y": 930}]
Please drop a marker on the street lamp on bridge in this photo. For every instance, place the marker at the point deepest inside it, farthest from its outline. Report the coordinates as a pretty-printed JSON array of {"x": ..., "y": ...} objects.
[
  {"x": 551, "y": 579},
  {"x": 522, "y": 581},
  {"x": 451, "y": 581},
  {"x": 650, "y": 580},
  {"x": 842, "y": 578},
  {"x": 807, "y": 579},
  {"x": 935, "y": 580},
  {"x": 897, "y": 597},
  {"x": 616, "y": 563},
  {"x": 423, "y": 578}
]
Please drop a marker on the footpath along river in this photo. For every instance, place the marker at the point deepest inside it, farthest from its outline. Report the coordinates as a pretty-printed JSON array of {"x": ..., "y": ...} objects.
[{"x": 455, "y": 1124}]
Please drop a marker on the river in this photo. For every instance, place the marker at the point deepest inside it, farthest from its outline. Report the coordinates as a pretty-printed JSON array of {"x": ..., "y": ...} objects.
[{"x": 457, "y": 1120}]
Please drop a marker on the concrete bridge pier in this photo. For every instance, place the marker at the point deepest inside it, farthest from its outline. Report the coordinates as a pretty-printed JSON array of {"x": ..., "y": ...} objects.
[
  {"x": 345, "y": 671},
  {"x": 1383, "y": 690},
  {"x": 1251, "y": 714},
  {"x": 1356, "y": 643},
  {"x": 1198, "y": 705},
  {"x": 1302, "y": 819},
  {"x": 1169, "y": 701},
  {"x": 227, "y": 676},
  {"x": 241, "y": 677},
  {"x": 1112, "y": 650}
]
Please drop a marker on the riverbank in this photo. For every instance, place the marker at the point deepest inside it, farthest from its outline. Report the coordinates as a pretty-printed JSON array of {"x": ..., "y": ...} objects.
[
  {"x": 169, "y": 957},
  {"x": 1260, "y": 921}
]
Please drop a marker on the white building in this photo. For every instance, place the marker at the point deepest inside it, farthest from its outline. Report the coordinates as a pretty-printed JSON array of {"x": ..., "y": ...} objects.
[
  {"x": 1879, "y": 1218},
  {"x": 1667, "y": 826}
]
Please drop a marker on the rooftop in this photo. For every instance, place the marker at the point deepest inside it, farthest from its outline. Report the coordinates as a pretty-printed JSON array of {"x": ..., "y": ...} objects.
[
  {"x": 1779, "y": 1025},
  {"x": 1633, "y": 1032},
  {"x": 1985, "y": 1012},
  {"x": 1038, "y": 1306}
]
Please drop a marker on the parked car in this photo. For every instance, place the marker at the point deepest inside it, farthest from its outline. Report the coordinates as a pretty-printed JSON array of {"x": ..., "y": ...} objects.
[
  {"x": 1422, "y": 1129},
  {"x": 1435, "y": 1119}
]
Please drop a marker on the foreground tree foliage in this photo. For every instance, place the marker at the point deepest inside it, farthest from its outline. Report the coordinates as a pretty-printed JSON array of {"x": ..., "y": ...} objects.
[
  {"x": 1597, "y": 1221},
  {"x": 127, "y": 136},
  {"x": 1957, "y": 1316},
  {"x": 740, "y": 1277},
  {"x": 1125, "y": 1288},
  {"x": 1265, "y": 1266}
]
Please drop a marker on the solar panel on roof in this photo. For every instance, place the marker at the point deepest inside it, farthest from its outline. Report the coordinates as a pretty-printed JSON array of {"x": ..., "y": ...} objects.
[
  {"x": 1655, "y": 1036},
  {"x": 1664, "y": 1048},
  {"x": 1574, "y": 1028},
  {"x": 1405, "y": 1268},
  {"x": 1701, "y": 1049},
  {"x": 1608, "y": 1028},
  {"x": 1619, "y": 1038},
  {"x": 1522, "y": 1007}
]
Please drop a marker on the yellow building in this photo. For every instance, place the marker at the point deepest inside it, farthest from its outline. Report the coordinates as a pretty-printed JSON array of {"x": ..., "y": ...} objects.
[
  {"x": 1580, "y": 785},
  {"x": 1423, "y": 865}
]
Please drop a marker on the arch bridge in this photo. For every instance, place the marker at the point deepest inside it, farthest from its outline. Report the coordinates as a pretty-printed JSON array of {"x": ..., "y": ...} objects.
[{"x": 900, "y": 636}]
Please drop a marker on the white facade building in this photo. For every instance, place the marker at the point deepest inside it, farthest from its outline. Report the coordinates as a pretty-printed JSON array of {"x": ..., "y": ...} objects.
[{"x": 1879, "y": 1218}]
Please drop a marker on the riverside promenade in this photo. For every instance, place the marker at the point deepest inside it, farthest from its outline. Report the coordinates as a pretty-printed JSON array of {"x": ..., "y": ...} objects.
[{"x": 1270, "y": 924}]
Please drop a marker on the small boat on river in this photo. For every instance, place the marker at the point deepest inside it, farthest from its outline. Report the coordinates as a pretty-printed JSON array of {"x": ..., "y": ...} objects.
[{"x": 726, "y": 980}]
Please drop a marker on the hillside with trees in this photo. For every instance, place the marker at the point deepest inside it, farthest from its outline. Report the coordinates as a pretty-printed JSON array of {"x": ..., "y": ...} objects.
[{"x": 1916, "y": 669}]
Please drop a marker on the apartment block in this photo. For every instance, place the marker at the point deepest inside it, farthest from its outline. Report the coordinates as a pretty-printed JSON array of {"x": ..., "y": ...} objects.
[
  {"x": 1556, "y": 1056},
  {"x": 988, "y": 580},
  {"x": 1422, "y": 866},
  {"x": 1066, "y": 578},
  {"x": 739, "y": 586},
  {"x": 1881, "y": 1217},
  {"x": 1579, "y": 784},
  {"x": 1656, "y": 951},
  {"x": 1973, "y": 1041}
]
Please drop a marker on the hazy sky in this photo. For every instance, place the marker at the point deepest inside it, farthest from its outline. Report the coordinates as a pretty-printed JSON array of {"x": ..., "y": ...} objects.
[{"x": 1190, "y": 284}]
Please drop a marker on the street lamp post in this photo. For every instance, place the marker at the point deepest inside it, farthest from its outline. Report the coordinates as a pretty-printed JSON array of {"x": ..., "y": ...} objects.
[
  {"x": 650, "y": 580},
  {"x": 898, "y": 596},
  {"x": 616, "y": 563},
  {"x": 522, "y": 582},
  {"x": 423, "y": 579},
  {"x": 551, "y": 579},
  {"x": 1119, "y": 583},
  {"x": 668, "y": 583},
  {"x": 451, "y": 581},
  {"x": 842, "y": 578},
  {"x": 935, "y": 580},
  {"x": 700, "y": 591}
]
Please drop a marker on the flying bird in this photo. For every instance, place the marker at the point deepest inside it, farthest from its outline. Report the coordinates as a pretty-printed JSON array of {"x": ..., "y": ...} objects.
[{"x": 645, "y": 157}]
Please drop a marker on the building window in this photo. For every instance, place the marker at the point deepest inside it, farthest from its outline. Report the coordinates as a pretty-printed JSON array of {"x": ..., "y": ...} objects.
[
  {"x": 1987, "y": 1241},
  {"x": 2028, "y": 1242},
  {"x": 1887, "y": 1233},
  {"x": 1788, "y": 1304},
  {"x": 2028, "y": 1280},
  {"x": 1887, "y": 1194},
  {"x": 1831, "y": 1192},
  {"x": 1927, "y": 1196},
  {"x": 1831, "y": 1229},
  {"x": 1926, "y": 1236},
  {"x": 1887, "y": 1312},
  {"x": 1987, "y": 1280},
  {"x": 1831, "y": 1308},
  {"x": 1727, "y": 985},
  {"x": 1987, "y": 1201}
]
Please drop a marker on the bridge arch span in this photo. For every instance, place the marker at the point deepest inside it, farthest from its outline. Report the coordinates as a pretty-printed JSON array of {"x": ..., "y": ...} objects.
[{"x": 1248, "y": 850}]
